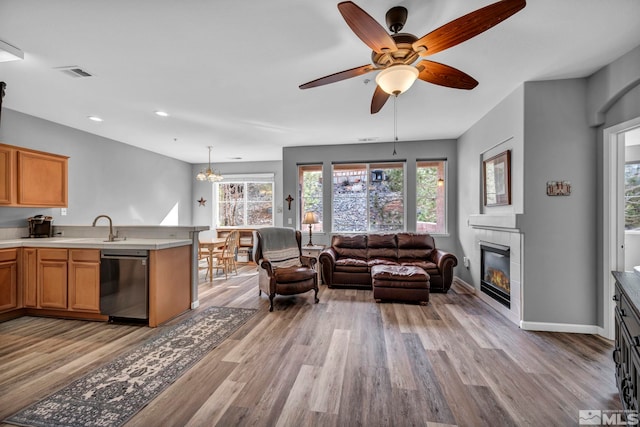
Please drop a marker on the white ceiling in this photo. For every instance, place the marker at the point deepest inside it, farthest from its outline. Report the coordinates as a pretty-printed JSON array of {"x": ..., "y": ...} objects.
[{"x": 228, "y": 71}]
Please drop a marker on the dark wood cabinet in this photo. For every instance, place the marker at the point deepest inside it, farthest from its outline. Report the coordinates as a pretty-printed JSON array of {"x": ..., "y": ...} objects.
[{"x": 626, "y": 354}]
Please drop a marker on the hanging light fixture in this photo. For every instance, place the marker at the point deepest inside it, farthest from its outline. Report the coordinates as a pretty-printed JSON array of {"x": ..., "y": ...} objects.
[{"x": 209, "y": 174}]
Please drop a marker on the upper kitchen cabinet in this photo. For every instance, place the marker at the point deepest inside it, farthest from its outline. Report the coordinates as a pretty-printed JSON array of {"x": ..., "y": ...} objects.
[{"x": 32, "y": 178}]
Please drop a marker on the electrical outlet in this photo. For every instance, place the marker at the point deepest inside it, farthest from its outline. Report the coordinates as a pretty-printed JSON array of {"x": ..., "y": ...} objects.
[
  {"x": 63, "y": 211},
  {"x": 466, "y": 262},
  {"x": 289, "y": 221}
]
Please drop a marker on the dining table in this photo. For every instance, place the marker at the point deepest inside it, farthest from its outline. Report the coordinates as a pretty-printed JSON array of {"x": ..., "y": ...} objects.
[{"x": 211, "y": 245}]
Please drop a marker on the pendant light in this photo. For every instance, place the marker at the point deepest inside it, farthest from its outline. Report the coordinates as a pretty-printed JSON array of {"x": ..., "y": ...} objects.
[{"x": 209, "y": 174}]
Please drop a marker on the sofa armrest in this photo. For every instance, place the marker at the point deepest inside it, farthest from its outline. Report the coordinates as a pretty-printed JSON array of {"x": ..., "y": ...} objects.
[
  {"x": 445, "y": 262},
  {"x": 266, "y": 265},
  {"x": 327, "y": 260}
]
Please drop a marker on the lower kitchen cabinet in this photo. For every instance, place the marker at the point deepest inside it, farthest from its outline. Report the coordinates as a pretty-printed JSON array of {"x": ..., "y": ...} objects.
[
  {"x": 84, "y": 280},
  {"x": 52, "y": 278},
  {"x": 45, "y": 278},
  {"x": 8, "y": 279}
]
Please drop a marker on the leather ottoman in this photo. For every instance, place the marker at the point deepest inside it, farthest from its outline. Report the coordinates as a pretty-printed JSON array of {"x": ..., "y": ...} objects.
[{"x": 400, "y": 282}]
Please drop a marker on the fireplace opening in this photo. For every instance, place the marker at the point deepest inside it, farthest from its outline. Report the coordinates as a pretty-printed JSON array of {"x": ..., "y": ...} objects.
[{"x": 494, "y": 272}]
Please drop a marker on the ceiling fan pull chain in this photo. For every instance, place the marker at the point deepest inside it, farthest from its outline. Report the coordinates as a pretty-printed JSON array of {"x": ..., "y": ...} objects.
[{"x": 395, "y": 123}]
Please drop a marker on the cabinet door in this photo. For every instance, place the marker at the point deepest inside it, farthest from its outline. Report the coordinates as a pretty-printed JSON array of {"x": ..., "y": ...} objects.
[
  {"x": 7, "y": 176},
  {"x": 29, "y": 277},
  {"x": 52, "y": 278},
  {"x": 8, "y": 279},
  {"x": 42, "y": 179},
  {"x": 84, "y": 280}
]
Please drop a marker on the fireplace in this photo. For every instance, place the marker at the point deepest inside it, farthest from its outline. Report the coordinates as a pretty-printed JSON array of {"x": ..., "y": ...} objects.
[{"x": 494, "y": 272}]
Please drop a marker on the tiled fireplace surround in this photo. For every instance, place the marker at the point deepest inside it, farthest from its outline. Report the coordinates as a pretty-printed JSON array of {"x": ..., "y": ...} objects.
[{"x": 500, "y": 230}]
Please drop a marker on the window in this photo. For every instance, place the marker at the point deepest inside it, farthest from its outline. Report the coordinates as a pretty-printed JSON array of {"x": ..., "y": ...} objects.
[
  {"x": 632, "y": 196},
  {"x": 430, "y": 197},
  {"x": 310, "y": 192},
  {"x": 368, "y": 197},
  {"x": 244, "y": 202}
]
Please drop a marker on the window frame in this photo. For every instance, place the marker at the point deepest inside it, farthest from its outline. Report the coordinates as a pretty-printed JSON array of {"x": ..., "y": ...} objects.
[
  {"x": 445, "y": 194},
  {"x": 267, "y": 178}
]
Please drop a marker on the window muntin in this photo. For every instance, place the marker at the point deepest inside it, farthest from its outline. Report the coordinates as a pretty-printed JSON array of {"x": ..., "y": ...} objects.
[
  {"x": 431, "y": 197},
  {"x": 368, "y": 197},
  {"x": 310, "y": 193},
  {"x": 244, "y": 204}
]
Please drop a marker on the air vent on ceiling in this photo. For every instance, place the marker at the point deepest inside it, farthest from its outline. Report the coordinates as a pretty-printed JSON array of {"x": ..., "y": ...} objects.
[{"x": 74, "y": 71}]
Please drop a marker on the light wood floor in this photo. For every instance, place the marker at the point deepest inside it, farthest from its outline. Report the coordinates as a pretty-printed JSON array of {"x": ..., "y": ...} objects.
[{"x": 346, "y": 361}]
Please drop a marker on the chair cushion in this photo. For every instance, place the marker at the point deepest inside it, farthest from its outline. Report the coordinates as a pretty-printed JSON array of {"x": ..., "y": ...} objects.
[{"x": 294, "y": 274}]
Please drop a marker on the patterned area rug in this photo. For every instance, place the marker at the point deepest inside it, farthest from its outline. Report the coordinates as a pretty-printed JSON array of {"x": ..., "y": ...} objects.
[{"x": 113, "y": 393}]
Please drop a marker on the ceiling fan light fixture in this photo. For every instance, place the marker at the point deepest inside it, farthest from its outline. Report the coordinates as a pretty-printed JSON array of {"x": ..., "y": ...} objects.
[{"x": 397, "y": 78}]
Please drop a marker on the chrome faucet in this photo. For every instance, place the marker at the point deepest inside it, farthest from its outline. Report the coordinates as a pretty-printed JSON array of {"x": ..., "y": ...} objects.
[{"x": 111, "y": 236}]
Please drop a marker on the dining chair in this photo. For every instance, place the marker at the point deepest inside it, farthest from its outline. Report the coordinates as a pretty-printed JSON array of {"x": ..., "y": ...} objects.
[
  {"x": 203, "y": 254},
  {"x": 226, "y": 259}
]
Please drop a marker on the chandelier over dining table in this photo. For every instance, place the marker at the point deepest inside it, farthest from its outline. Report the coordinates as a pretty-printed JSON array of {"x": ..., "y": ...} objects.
[{"x": 209, "y": 174}]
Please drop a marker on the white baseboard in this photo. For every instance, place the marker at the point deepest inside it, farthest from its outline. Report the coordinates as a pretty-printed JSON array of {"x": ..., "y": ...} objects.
[
  {"x": 195, "y": 304},
  {"x": 467, "y": 286},
  {"x": 560, "y": 327}
]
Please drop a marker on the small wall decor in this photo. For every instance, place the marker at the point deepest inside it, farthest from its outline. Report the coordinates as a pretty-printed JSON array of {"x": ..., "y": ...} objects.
[
  {"x": 289, "y": 199},
  {"x": 496, "y": 174},
  {"x": 558, "y": 188},
  {"x": 202, "y": 201}
]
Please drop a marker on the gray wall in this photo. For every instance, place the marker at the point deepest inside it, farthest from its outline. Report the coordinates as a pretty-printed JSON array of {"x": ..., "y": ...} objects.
[
  {"x": 614, "y": 98},
  {"x": 560, "y": 232},
  {"x": 203, "y": 215},
  {"x": 499, "y": 130},
  {"x": 410, "y": 151},
  {"x": 133, "y": 186}
]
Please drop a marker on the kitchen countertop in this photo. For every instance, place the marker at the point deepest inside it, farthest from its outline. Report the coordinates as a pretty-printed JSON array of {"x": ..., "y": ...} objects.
[{"x": 95, "y": 243}]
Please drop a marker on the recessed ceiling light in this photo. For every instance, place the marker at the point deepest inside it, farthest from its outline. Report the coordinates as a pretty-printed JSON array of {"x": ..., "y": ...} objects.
[
  {"x": 94, "y": 118},
  {"x": 162, "y": 114}
]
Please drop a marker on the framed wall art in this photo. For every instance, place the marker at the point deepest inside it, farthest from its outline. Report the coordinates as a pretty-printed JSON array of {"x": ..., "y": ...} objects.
[{"x": 496, "y": 173}]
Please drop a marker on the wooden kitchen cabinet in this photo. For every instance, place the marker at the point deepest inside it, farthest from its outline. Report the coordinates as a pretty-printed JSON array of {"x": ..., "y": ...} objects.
[
  {"x": 7, "y": 175},
  {"x": 45, "y": 278},
  {"x": 32, "y": 178},
  {"x": 30, "y": 277},
  {"x": 84, "y": 280},
  {"x": 9, "y": 279},
  {"x": 52, "y": 278}
]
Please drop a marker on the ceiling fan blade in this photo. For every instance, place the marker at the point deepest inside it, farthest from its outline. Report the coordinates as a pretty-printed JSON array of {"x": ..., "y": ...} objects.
[
  {"x": 364, "y": 26},
  {"x": 444, "y": 75},
  {"x": 379, "y": 99},
  {"x": 467, "y": 26},
  {"x": 336, "y": 77}
]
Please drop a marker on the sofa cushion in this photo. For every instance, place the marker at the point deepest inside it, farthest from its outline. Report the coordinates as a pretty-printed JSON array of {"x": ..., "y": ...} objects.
[
  {"x": 350, "y": 246},
  {"x": 415, "y": 246},
  {"x": 353, "y": 265},
  {"x": 381, "y": 261},
  {"x": 427, "y": 266},
  {"x": 382, "y": 246}
]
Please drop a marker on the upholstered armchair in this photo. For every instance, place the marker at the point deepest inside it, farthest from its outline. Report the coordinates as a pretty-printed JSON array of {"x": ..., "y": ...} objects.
[{"x": 282, "y": 270}]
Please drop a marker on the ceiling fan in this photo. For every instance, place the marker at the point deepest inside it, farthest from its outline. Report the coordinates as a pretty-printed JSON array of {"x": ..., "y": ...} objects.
[{"x": 394, "y": 54}]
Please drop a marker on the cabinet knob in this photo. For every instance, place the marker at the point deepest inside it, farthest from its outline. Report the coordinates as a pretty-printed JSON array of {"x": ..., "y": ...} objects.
[
  {"x": 623, "y": 313},
  {"x": 636, "y": 340},
  {"x": 615, "y": 298},
  {"x": 616, "y": 356}
]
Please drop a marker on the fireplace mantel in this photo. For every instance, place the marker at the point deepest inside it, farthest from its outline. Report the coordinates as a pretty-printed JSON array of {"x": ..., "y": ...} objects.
[{"x": 505, "y": 221}]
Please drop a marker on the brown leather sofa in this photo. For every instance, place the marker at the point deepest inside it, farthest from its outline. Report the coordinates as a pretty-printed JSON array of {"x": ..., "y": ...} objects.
[{"x": 348, "y": 261}]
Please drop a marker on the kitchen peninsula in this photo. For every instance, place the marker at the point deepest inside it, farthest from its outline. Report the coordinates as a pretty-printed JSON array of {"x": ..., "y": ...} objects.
[{"x": 60, "y": 276}]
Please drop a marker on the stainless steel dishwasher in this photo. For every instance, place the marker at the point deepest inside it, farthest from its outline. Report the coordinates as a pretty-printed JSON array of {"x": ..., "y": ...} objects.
[{"x": 124, "y": 285}]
